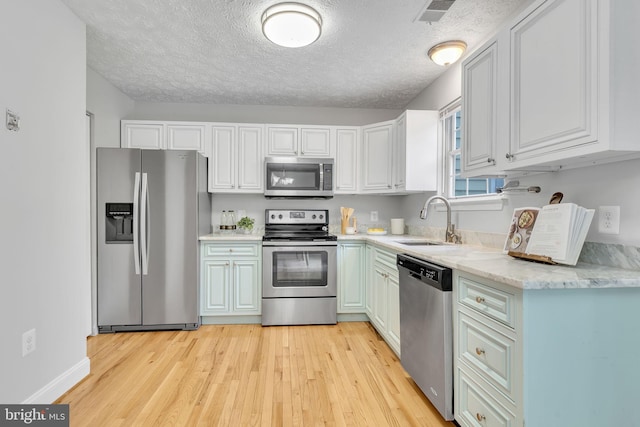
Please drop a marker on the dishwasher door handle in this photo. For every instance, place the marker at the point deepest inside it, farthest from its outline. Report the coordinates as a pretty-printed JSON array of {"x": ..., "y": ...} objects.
[{"x": 415, "y": 275}]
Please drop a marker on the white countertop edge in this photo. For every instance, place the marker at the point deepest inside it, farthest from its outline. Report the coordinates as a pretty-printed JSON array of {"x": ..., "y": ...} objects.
[{"x": 230, "y": 237}]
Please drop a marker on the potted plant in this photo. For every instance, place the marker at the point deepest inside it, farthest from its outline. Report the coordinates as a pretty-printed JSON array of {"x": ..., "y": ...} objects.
[{"x": 246, "y": 224}]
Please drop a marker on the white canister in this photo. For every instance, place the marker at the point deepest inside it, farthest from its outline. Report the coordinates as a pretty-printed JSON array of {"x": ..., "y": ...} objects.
[{"x": 397, "y": 225}]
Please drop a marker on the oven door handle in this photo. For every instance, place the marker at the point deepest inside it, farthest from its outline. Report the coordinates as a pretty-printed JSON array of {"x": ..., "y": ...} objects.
[{"x": 300, "y": 243}]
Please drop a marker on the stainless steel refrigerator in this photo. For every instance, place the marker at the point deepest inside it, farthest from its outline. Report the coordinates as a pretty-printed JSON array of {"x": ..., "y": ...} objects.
[{"x": 152, "y": 206}]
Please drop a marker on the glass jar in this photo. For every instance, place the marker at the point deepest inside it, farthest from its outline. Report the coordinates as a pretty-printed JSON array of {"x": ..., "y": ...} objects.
[
  {"x": 232, "y": 221},
  {"x": 223, "y": 222}
]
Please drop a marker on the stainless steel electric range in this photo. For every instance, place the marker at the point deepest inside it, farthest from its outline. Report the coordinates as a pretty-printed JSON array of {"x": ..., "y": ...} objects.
[{"x": 299, "y": 257}]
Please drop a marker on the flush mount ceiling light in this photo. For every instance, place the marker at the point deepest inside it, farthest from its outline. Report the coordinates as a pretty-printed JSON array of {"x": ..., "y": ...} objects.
[
  {"x": 448, "y": 52},
  {"x": 291, "y": 24}
]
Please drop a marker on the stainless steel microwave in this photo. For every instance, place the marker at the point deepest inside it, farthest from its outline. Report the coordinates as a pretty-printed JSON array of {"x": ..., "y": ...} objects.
[{"x": 299, "y": 177}]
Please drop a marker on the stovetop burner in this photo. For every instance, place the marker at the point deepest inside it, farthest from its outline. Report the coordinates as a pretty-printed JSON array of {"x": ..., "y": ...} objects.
[
  {"x": 298, "y": 225},
  {"x": 302, "y": 236}
]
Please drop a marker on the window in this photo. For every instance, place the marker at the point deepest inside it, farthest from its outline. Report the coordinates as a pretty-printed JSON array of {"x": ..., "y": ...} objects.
[{"x": 455, "y": 186}]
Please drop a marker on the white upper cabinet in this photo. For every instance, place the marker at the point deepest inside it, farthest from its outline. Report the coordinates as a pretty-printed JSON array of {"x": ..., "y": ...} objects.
[
  {"x": 377, "y": 157},
  {"x": 186, "y": 137},
  {"x": 554, "y": 79},
  {"x": 416, "y": 151},
  {"x": 395, "y": 156},
  {"x": 564, "y": 88},
  {"x": 163, "y": 135},
  {"x": 282, "y": 141},
  {"x": 347, "y": 163},
  {"x": 146, "y": 135},
  {"x": 222, "y": 162},
  {"x": 304, "y": 141},
  {"x": 315, "y": 142},
  {"x": 480, "y": 111},
  {"x": 236, "y": 163},
  {"x": 401, "y": 156},
  {"x": 251, "y": 158}
]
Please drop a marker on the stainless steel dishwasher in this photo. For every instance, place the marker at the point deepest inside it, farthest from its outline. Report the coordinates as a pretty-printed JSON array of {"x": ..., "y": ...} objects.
[{"x": 426, "y": 329}]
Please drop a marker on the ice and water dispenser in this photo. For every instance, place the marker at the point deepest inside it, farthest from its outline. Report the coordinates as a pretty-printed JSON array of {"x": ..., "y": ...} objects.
[{"x": 119, "y": 223}]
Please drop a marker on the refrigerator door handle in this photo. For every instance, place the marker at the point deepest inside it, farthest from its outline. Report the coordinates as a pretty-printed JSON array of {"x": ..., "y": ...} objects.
[
  {"x": 144, "y": 227},
  {"x": 136, "y": 223}
]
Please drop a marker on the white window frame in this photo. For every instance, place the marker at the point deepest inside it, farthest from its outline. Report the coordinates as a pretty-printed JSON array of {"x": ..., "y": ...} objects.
[{"x": 490, "y": 201}]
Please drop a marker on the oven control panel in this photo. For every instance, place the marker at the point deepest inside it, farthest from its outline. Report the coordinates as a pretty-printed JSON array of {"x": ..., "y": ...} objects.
[{"x": 286, "y": 216}]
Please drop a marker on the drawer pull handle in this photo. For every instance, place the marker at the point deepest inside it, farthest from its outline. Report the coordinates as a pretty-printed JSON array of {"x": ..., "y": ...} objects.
[
  {"x": 479, "y": 300},
  {"x": 479, "y": 351},
  {"x": 480, "y": 417}
]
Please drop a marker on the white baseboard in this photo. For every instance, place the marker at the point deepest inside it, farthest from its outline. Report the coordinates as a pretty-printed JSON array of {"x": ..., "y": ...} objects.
[{"x": 60, "y": 385}]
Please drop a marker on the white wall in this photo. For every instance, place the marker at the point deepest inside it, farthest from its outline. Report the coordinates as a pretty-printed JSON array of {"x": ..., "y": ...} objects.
[
  {"x": 260, "y": 114},
  {"x": 387, "y": 207},
  {"x": 44, "y": 188},
  {"x": 107, "y": 105}
]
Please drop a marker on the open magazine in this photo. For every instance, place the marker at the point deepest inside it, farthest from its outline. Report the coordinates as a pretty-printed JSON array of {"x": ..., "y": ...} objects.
[{"x": 555, "y": 232}]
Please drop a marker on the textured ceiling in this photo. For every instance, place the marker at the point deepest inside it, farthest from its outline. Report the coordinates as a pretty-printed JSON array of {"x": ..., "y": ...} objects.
[{"x": 371, "y": 54}]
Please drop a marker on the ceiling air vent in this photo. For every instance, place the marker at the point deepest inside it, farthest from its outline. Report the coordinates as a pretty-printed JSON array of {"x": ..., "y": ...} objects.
[{"x": 434, "y": 10}]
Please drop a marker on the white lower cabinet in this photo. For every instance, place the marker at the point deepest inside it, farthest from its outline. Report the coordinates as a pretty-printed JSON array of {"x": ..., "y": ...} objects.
[
  {"x": 477, "y": 407},
  {"x": 383, "y": 295},
  {"x": 487, "y": 353},
  {"x": 351, "y": 277},
  {"x": 231, "y": 279}
]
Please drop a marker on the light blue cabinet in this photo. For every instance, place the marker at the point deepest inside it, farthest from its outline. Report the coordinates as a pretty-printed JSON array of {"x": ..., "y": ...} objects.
[
  {"x": 351, "y": 277},
  {"x": 548, "y": 357},
  {"x": 383, "y": 295},
  {"x": 231, "y": 279}
]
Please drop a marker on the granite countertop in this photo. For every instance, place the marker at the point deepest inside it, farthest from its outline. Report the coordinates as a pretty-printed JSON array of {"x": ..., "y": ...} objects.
[
  {"x": 231, "y": 237},
  {"x": 493, "y": 264},
  {"x": 489, "y": 263}
]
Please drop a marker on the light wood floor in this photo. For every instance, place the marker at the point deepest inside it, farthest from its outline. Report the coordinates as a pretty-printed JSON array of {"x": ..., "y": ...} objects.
[{"x": 243, "y": 375}]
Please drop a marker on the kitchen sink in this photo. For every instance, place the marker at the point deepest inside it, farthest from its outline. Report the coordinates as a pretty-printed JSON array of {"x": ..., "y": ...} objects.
[{"x": 418, "y": 242}]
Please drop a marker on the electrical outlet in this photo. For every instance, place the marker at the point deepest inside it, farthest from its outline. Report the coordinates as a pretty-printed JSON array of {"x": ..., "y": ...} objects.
[
  {"x": 374, "y": 216},
  {"x": 609, "y": 219},
  {"x": 28, "y": 342}
]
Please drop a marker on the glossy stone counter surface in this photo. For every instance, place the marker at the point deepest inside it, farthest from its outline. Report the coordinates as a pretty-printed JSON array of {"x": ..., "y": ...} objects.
[
  {"x": 495, "y": 265},
  {"x": 236, "y": 237}
]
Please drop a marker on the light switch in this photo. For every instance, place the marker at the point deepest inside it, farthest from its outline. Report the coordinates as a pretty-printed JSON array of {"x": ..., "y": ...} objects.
[{"x": 13, "y": 121}]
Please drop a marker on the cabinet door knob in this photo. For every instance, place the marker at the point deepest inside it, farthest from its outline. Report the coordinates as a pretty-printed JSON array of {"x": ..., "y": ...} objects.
[
  {"x": 479, "y": 300},
  {"x": 509, "y": 156},
  {"x": 490, "y": 160},
  {"x": 479, "y": 351},
  {"x": 480, "y": 417}
]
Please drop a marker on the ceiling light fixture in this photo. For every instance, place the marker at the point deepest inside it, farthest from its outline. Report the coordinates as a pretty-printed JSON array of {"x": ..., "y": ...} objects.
[
  {"x": 448, "y": 52},
  {"x": 291, "y": 24}
]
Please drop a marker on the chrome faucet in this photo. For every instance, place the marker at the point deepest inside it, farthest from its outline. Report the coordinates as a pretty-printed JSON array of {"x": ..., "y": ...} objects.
[{"x": 450, "y": 235}]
